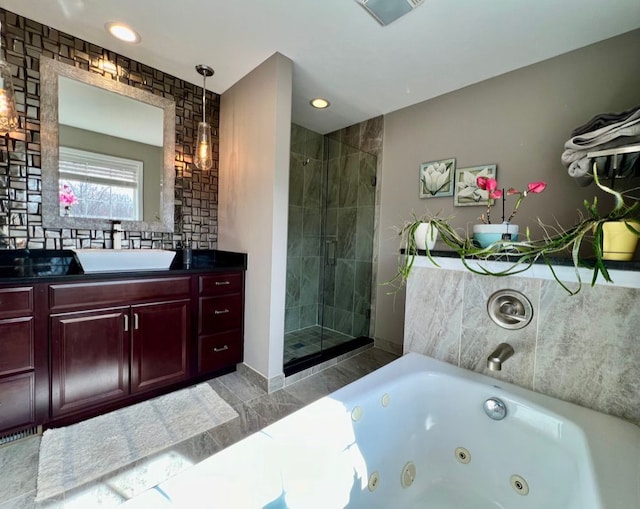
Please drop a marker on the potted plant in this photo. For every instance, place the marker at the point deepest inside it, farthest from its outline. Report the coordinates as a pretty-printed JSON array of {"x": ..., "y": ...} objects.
[
  {"x": 522, "y": 253},
  {"x": 487, "y": 233}
]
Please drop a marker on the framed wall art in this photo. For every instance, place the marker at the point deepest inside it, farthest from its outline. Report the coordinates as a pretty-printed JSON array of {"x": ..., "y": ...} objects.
[
  {"x": 436, "y": 178},
  {"x": 467, "y": 192}
]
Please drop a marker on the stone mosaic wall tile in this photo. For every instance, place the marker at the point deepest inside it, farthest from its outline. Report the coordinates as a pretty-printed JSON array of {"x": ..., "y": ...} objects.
[{"x": 25, "y": 42}]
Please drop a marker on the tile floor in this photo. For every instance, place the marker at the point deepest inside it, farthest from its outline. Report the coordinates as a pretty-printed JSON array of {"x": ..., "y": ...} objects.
[
  {"x": 256, "y": 409},
  {"x": 310, "y": 340}
]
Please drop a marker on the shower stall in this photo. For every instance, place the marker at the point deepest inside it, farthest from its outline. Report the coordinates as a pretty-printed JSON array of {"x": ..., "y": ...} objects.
[{"x": 330, "y": 249}]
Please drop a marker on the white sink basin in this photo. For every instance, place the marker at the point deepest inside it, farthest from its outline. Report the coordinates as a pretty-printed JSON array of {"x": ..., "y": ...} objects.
[{"x": 115, "y": 260}]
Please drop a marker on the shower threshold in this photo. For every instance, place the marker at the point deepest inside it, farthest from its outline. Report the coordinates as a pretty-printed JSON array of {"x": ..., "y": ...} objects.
[{"x": 308, "y": 361}]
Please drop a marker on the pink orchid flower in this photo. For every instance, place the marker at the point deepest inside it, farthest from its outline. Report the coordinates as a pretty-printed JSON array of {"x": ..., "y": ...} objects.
[
  {"x": 487, "y": 183},
  {"x": 491, "y": 185},
  {"x": 536, "y": 187}
]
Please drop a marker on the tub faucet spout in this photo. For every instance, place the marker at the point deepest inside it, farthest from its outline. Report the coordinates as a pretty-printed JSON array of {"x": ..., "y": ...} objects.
[{"x": 502, "y": 352}]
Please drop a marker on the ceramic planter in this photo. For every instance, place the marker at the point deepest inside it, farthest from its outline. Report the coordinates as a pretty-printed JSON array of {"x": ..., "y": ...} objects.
[
  {"x": 487, "y": 234},
  {"x": 425, "y": 235},
  {"x": 618, "y": 242}
]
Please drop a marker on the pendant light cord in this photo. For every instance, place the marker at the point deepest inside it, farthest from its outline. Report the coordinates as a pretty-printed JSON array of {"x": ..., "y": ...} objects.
[{"x": 204, "y": 94}]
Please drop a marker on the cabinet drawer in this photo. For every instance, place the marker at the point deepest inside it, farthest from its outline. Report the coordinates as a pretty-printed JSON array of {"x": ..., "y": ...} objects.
[
  {"x": 17, "y": 401},
  {"x": 218, "y": 314},
  {"x": 66, "y": 297},
  {"x": 16, "y": 345},
  {"x": 221, "y": 284},
  {"x": 16, "y": 302},
  {"x": 219, "y": 351}
]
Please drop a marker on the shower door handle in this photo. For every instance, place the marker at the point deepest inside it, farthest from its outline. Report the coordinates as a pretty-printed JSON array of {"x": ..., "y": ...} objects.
[{"x": 332, "y": 247}]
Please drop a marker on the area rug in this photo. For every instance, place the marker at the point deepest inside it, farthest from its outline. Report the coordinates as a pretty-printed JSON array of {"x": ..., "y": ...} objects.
[{"x": 76, "y": 454}]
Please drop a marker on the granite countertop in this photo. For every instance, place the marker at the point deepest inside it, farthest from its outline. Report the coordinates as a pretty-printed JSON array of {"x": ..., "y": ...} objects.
[
  {"x": 40, "y": 265},
  {"x": 632, "y": 265}
]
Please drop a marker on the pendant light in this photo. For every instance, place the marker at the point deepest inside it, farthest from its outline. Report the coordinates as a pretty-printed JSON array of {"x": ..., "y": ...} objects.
[
  {"x": 204, "y": 148},
  {"x": 8, "y": 113}
]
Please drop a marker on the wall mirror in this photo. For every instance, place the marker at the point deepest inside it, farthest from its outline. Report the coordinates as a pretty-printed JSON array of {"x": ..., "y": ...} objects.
[{"x": 108, "y": 152}]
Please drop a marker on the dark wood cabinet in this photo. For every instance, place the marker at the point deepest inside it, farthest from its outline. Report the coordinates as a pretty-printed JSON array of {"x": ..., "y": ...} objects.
[
  {"x": 17, "y": 361},
  {"x": 159, "y": 345},
  {"x": 102, "y": 355},
  {"x": 17, "y": 408},
  {"x": 89, "y": 359},
  {"x": 70, "y": 350},
  {"x": 220, "y": 320}
]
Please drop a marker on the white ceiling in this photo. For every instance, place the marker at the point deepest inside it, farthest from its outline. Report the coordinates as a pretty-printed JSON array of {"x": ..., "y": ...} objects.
[{"x": 339, "y": 51}]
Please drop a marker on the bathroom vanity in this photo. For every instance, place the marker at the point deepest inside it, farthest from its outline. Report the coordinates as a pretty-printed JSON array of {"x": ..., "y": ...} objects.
[{"x": 76, "y": 345}]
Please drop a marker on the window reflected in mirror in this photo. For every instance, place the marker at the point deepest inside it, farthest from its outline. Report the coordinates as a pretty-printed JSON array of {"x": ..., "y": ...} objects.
[{"x": 100, "y": 186}]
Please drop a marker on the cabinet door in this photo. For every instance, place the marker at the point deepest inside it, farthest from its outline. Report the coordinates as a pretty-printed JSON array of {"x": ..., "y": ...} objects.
[
  {"x": 159, "y": 344},
  {"x": 89, "y": 359},
  {"x": 17, "y": 402}
]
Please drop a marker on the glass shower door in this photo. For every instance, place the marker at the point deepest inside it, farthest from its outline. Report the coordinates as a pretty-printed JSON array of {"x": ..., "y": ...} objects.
[
  {"x": 348, "y": 226},
  {"x": 330, "y": 249}
]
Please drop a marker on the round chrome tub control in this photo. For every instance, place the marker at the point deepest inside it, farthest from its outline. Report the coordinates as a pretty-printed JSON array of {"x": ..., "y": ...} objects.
[
  {"x": 510, "y": 309},
  {"x": 495, "y": 409}
]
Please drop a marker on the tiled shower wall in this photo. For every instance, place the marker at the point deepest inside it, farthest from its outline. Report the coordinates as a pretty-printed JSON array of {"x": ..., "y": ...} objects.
[
  {"x": 351, "y": 212},
  {"x": 350, "y": 222},
  {"x": 355, "y": 164},
  {"x": 582, "y": 348},
  {"x": 24, "y": 42},
  {"x": 304, "y": 248}
]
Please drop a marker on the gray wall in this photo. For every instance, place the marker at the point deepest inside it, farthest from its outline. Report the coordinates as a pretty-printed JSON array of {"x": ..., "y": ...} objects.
[
  {"x": 254, "y": 191},
  {"x": 583, "y": 348},
  {"x": 518, "y": 121}
]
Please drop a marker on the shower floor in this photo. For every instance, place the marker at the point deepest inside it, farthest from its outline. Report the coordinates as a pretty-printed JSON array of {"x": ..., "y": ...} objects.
[{"x": 310, "y": 340}]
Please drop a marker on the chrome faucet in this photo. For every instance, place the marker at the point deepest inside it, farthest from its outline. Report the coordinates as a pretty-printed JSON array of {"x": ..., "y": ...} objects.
[
  {"x": 116, "y": 235},
  {"x": 502, "y": 352}
]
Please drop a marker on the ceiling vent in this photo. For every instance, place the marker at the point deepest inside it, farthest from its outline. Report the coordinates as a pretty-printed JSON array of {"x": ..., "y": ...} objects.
[{"x": 387, "y": 11}]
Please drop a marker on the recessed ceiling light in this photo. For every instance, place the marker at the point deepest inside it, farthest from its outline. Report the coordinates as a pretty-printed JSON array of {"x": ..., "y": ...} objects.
[
  {"x": 320, "y": 103},
  {"x": 123, "y": 32}
]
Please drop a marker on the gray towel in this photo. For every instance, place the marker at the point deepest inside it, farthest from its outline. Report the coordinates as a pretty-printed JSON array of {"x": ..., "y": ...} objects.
[{"x": 602, "y": 120}]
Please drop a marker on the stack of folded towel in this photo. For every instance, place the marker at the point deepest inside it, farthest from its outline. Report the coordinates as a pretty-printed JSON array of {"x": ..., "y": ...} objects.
[{"x": 604, "y": 131}]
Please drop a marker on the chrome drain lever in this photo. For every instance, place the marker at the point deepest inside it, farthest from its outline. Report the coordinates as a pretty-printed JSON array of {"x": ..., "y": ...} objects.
[{"x": 495, "y": 409}]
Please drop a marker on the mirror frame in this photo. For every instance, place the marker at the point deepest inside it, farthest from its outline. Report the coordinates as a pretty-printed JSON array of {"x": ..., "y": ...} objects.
[{"x": 50, "y": 70}]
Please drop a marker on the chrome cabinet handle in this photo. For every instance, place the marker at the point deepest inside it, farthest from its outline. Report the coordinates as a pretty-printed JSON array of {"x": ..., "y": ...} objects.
[
  {"x": 220, "y": 283},
  {"x": 135, "y": 321},
  {"x": 220, "y": 311},
  {"x": 222, "y": 349},
  {"x": 126, "y": 323}
]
